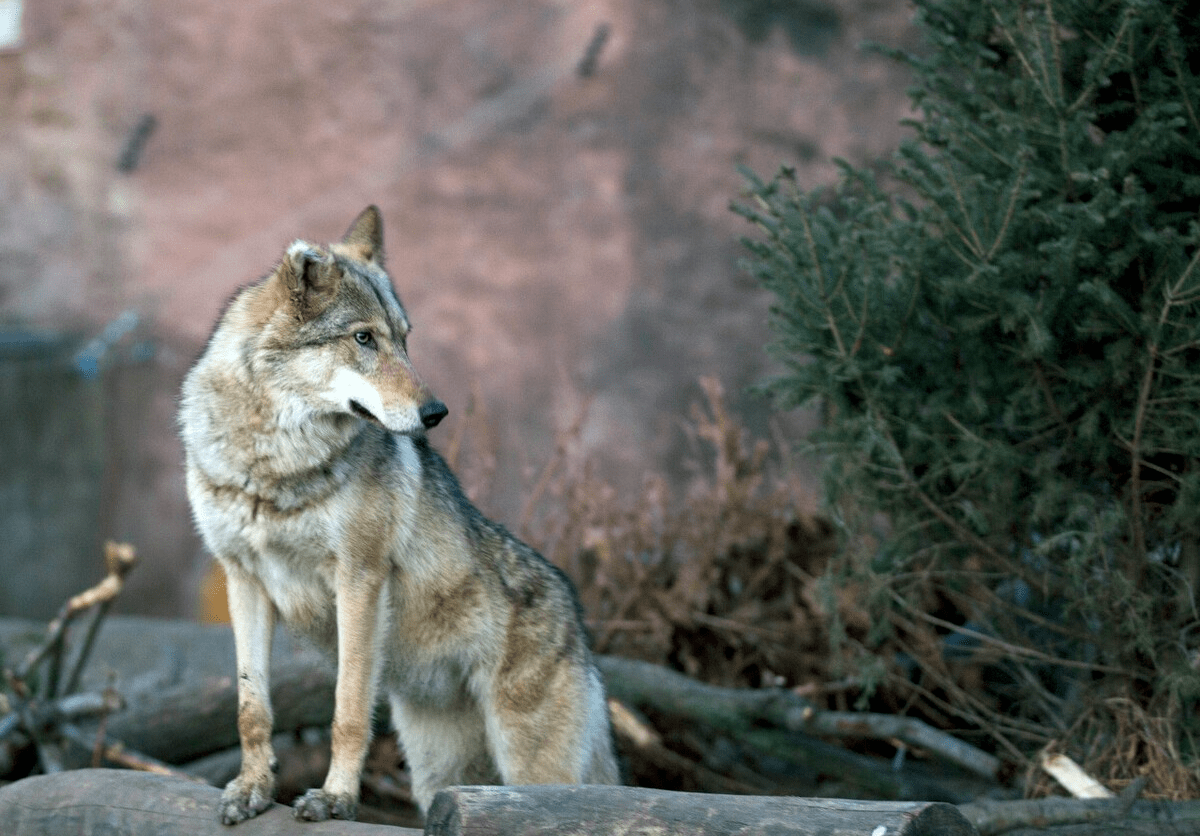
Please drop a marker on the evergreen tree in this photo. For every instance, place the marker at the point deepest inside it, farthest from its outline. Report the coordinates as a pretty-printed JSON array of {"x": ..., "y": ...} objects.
[{"x": 1004, "y": 330}]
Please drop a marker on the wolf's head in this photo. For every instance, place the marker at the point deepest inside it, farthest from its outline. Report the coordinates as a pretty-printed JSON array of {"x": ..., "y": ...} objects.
[{"x": 337, "y": 334}]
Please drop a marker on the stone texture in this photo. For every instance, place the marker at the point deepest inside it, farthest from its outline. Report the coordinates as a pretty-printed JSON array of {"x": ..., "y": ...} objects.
[{"x": 561, "y": 240}]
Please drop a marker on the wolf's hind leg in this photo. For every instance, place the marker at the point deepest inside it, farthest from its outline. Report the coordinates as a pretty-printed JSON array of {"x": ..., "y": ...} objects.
[
  {"x": 443, "y": 747},
  {"x": 556, "y": 734},
  {"x": 253, "y": 617}
]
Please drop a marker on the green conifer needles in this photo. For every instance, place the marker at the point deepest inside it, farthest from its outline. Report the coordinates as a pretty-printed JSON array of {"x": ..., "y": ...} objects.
[{"x": 1004, "y": 330}]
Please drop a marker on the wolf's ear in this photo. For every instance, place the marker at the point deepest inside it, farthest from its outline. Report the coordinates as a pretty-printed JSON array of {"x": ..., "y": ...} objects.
[
  {"x": 365, "y": 236},
  {"x": 310, "y": 278}
]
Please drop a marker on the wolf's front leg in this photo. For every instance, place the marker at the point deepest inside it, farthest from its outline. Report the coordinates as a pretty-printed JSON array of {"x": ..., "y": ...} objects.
[
  {"x": 253, "y": 617},
  {"x": 362, "y": 626}
]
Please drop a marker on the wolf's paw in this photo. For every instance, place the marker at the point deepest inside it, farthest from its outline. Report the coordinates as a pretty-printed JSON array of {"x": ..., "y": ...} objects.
[
  {"x": 241, "y": 801},
  {"x": 318, "y": 805}
]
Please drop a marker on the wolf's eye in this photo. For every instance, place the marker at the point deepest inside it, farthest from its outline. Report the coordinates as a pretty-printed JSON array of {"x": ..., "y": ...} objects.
[{"x": 365, "y": 338}]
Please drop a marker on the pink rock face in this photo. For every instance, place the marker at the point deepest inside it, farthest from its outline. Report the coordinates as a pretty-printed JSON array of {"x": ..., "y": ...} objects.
[{"x": 560, "y": 238}]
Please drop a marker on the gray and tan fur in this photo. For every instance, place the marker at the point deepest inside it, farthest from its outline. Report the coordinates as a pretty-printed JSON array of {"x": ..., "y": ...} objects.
[{"x": 311, "y": 480}]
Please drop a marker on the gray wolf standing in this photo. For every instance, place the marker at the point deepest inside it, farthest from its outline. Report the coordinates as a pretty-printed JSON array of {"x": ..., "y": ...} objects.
[{"x": 312, "y": 482}]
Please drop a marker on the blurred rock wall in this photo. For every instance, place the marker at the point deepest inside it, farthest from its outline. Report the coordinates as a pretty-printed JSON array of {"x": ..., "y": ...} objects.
[{"x": 554, "y": 176}]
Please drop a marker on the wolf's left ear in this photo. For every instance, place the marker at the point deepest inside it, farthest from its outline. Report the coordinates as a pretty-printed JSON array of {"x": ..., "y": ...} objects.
[
  {"x": 365, "y": 236},
  {"x": 310, "y": 278}
]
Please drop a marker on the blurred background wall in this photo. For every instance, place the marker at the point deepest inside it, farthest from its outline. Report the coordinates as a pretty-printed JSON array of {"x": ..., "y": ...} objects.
[{"x": 554, "y": 177}]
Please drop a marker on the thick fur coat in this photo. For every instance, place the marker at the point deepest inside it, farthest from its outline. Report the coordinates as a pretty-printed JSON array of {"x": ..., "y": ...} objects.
[{"x": 312, "y": 482}]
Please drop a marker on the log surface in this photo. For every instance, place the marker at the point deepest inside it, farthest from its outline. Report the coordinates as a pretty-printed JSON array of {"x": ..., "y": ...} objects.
[
  {"x": 107, "y": 802},
  {"x": 580, "y": 810}
]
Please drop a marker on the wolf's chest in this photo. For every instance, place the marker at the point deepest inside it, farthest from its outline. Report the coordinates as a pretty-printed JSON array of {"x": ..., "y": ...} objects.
[
  {"x": 245, "y": 524},
  {"x": 292, "y": 555},
  {"x": 303, "y": 591}
]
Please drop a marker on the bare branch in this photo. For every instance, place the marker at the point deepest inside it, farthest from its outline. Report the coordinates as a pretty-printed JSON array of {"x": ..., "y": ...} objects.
[
  {"x": 668, "y": 692},
  {"x": 119, "y": 559}
]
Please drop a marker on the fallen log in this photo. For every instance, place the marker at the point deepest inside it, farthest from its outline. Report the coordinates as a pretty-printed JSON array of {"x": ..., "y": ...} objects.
[
  {"x": 642, "y": 683},
  {"x": 141, "y": 804},
  {"x": 1165, "y": 818},
  {"x": 1120, "y": 827},
  {"x": 190, "y": 721},
  {"x": 596, "y": 810},
  {"x": 749, "y": 714}
]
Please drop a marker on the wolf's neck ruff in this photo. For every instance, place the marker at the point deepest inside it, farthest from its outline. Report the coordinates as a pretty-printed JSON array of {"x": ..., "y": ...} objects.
[
  {"x": 251, "y": 435},
  {"x": 274, "y": 490}
]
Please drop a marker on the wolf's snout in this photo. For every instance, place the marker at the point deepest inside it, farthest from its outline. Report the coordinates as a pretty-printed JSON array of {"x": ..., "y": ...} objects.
[{"x": 432, "y": 413}]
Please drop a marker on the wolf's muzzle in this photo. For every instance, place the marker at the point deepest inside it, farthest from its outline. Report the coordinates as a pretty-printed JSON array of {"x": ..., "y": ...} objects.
[{"x": 432, "y": 413}]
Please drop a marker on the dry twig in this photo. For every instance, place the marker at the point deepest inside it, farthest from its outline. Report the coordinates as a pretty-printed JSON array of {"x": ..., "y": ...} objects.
[
  {"x": 46, "y": 719},
  {"x": 119, "y": 559}
]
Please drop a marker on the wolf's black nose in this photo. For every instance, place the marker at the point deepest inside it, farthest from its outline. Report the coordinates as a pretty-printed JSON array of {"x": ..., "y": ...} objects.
[{"x": 432, "y": 414}]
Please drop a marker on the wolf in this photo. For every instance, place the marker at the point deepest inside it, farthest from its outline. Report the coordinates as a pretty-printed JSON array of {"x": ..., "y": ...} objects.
[{"x": 312, "y": 481}]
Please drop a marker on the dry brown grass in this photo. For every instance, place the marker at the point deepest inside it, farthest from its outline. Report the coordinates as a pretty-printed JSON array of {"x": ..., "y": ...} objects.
[
  {"x": 716, "y": 579},
  {"x": 1120, "y": 743}
]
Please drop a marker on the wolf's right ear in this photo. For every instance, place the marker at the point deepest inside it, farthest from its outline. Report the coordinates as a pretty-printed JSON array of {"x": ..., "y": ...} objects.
[
  {"x": 365, "y": 235},
  {"x": 310, "y": 278}
]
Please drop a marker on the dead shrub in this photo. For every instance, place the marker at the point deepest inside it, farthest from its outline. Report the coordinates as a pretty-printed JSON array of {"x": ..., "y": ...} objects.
[{"x": 717, "y": 580}]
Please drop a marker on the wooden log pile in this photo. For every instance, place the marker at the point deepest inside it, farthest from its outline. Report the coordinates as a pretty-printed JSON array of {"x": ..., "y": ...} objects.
[
  {"x": 175, "y": 742},
  {"x": 141, "y": 804}
]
